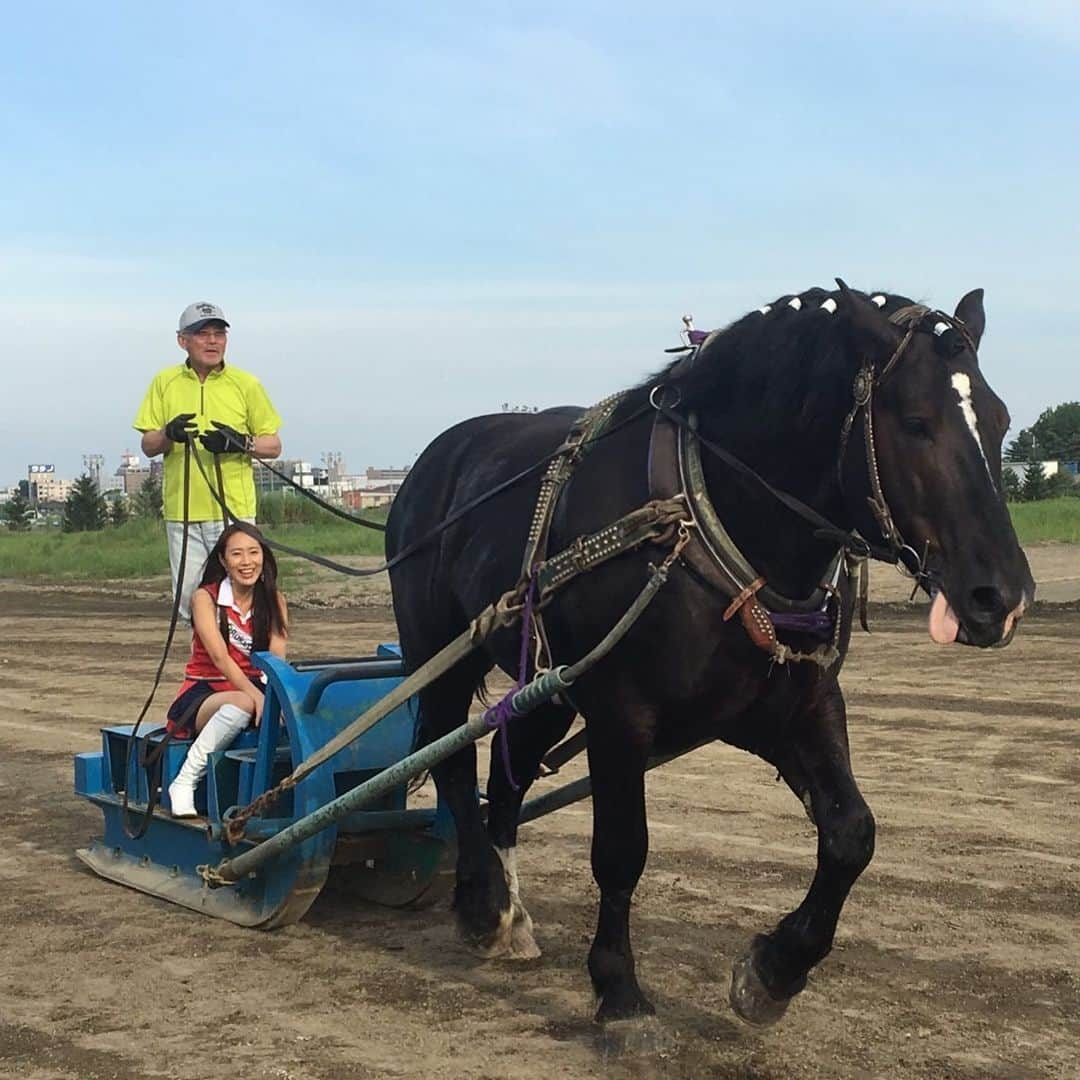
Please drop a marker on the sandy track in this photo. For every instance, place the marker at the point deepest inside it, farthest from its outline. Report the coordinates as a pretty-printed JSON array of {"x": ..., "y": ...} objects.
[{"x": 958, "y": 954}]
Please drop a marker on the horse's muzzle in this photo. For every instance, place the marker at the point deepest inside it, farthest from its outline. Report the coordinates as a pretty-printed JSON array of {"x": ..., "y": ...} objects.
[{"x": 981, "y": 626}]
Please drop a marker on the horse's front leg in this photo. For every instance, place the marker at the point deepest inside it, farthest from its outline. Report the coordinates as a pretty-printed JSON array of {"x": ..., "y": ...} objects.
[{"x": 815, "y": 762}]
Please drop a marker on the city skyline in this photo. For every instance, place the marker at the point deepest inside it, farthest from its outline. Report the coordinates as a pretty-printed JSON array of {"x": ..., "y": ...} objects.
[{"x": 327, "y": 462}]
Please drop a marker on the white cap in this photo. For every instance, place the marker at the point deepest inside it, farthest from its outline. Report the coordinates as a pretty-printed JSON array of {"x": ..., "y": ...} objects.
[{"x": 197, "y": 315}]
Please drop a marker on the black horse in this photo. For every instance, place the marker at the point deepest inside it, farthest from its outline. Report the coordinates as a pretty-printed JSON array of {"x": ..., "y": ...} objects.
[{"x": 868, "y": 409}]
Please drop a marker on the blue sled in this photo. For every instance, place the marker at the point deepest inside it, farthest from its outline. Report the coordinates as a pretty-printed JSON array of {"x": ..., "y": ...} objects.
[{"x": 388, "y": 853}]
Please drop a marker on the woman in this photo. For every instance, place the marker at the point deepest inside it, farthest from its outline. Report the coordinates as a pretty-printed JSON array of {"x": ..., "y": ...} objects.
[{"x": 235, "y": 610}]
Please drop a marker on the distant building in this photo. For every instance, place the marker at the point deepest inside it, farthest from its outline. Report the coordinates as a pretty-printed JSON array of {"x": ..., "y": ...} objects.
[
  {"x": 374, "y": 487},
  {"x": 45, "y": 486},
  {"x": 131, "y": 475},
  {"x": 367, "y": 498},
  {"x": 133, "y": 480},
  {"x": 385, "y": 477},
  {"x": 299, "y": 472}
]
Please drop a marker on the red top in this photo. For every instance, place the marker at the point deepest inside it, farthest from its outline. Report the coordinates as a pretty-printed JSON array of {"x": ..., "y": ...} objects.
[{"x": 200, "y": 666}]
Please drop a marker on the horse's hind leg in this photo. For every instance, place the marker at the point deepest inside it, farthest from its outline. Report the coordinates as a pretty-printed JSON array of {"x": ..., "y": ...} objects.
[
  {"x": 481, "y": 896},
  {"x": 816, "y": 765},
  {"x": 528, "y": 739},
  {"x": 618, "y": 753}
]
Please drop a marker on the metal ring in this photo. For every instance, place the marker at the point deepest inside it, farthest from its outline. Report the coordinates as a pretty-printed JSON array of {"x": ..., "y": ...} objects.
[
  {"x": 663, "y": 388},
  {"x": 903, "y": 567}
]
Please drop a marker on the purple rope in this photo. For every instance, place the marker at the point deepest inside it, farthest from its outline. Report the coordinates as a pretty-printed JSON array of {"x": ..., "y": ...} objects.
[
  {"x": 817, "y": 623},
  {"x": 499, "y": 715}
]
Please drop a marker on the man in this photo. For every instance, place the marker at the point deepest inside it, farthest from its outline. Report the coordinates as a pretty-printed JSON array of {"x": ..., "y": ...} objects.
[{"x": 226, "y": 418}]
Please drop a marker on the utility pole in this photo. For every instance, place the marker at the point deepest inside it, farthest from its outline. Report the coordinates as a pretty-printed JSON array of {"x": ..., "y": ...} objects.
[
  {"x": 334, "y": 464},
  {"x": 92, "y": 464}
]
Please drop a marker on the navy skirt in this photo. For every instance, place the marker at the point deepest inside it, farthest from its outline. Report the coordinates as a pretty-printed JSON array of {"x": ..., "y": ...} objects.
[{"x": 182, "y": 712}]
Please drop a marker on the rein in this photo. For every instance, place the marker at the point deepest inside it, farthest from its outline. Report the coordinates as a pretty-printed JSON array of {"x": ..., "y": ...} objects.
[
  {"x": 663, "y": 522},
  {"x": 823, "y": 528},
  {"x": 153, "y": 757},
  {"x": 451, "y": 519}
]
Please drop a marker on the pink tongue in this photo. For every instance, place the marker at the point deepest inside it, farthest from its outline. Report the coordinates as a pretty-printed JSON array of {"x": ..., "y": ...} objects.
[{"x": 944, "y": 625}]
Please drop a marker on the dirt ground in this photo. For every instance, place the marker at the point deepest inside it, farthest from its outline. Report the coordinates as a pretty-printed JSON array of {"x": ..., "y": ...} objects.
[{"x": 958, "y": 954}]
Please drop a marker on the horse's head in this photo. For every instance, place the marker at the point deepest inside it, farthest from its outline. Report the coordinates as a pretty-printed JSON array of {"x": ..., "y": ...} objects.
[{"x": 934, "y": 439}]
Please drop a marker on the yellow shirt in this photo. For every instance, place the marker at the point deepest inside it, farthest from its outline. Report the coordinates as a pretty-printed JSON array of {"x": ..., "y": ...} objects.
[{"x": 230, "y": 395}]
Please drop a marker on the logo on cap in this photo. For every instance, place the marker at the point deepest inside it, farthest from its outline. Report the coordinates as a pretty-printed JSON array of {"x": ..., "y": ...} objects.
[{"x": 207, "y": 309}]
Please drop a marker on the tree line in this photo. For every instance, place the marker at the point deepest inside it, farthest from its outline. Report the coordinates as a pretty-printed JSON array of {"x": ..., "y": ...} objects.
[
  {"x": 1055, "y": 436},
  {"x": 86, "y": 509}
]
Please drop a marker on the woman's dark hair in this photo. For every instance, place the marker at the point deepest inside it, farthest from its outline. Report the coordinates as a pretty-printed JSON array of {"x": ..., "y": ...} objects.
[{"x": 266, "y": 617}]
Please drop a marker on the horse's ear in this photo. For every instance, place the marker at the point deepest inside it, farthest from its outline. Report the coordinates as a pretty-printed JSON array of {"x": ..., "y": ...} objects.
[
  {"x": 872, "y": 333},
  {"x": 970, "y": 312}
]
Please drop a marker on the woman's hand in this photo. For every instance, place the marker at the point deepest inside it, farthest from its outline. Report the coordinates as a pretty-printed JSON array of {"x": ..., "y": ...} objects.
[{"x": 257, "y": 699}]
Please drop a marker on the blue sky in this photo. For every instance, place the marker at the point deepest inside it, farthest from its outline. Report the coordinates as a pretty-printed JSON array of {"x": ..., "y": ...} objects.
[{"x": 412, "y": 213}]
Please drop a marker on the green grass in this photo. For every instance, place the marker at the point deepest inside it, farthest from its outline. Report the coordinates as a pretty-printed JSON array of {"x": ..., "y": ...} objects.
[
  {"x": 134, "y": 550},
  {"x": 137, "y": 549},
  {"x": 1047, "y": 519}
]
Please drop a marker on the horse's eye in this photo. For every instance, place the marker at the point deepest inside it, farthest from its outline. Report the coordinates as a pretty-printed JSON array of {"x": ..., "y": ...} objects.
[{"x": 917, "y": 426}]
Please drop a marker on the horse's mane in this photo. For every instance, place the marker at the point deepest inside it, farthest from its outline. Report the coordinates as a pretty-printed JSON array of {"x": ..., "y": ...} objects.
[{"x": 789, "y": 359}]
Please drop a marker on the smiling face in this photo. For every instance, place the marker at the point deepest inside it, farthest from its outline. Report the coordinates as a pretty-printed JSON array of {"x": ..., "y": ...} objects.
[
  {"x": 243, "y": 560},
  {"x": 938, "y": 431},
  {"x": 205, "y": 346}
]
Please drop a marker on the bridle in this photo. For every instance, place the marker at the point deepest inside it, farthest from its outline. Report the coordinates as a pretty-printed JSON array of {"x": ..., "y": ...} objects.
[{"x": 913, "y": 318}]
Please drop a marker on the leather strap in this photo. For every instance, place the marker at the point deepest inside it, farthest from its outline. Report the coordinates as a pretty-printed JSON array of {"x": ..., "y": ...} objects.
[
  {"x": 574, "y": 447},
  {"x": 722, "y": 546},
  {"x": 655, "y": 522},
  {"x": 674, "y": 470}
]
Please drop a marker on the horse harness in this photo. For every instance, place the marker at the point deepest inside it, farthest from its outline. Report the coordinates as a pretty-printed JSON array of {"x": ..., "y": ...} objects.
[
  {"x": 679, "y": 515},
  {"x": 681, "y": 512}
]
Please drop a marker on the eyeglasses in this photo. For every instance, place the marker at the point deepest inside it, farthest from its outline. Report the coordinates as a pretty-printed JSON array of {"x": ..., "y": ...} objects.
[{"x": 207, "y": 334}]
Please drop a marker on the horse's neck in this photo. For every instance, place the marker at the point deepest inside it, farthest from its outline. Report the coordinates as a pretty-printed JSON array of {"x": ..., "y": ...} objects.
[{"x": 778, "y": 543}]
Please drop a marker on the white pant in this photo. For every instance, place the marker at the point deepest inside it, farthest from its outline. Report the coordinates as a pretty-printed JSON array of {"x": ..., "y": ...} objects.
[{"x": 202, "y": 536}]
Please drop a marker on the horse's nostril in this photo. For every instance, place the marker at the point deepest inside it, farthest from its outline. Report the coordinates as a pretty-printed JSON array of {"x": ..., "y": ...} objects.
[{"x": 988, "y": 600}]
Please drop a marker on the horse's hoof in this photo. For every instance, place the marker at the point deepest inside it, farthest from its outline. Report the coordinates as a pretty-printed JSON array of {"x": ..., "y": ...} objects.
[
  {"x": 641, "y": 1037},
  {"x": 626, "y": 1005},
  {"x": 513, "y": 938},
  {"x": 496, "y": 944},
  {"x": 750, "y": 999},
  {"x": 522, "y": 943}
]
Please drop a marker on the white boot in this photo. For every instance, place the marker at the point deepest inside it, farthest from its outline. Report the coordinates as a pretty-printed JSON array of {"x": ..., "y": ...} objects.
[{"x": 220, "y": 731}]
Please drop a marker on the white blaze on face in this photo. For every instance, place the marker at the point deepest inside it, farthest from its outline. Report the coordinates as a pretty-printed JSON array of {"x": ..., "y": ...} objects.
[{"x": 962, "y": 385}]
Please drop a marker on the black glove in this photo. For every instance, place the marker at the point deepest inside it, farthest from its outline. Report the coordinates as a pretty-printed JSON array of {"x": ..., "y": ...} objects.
[
  {"x": 225, "y": 440},
  {"x": 180, "y": 428}
]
